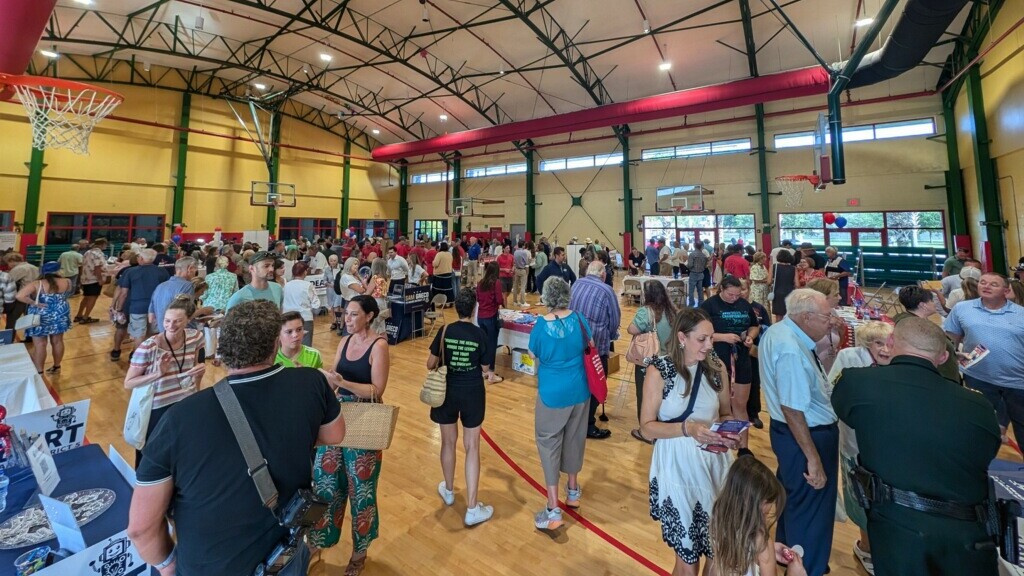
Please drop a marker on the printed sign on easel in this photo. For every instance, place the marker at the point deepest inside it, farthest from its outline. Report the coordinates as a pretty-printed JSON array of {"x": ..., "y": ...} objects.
[{"x": 63, "y": 427}]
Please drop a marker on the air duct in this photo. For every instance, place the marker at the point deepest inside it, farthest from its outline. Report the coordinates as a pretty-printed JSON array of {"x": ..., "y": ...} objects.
[
  {"x": 21, "y": 26},
  {"x": 769, "y": 88},
  {"x": 920, "y": 26}
]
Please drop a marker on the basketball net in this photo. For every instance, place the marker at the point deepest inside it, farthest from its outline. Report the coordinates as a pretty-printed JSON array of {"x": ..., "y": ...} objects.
[
  {"x": 792, "y": 188},
  {"x": 63, "y": 113}
]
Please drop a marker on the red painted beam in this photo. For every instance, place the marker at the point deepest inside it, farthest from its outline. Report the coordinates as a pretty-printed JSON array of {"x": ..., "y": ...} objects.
[{"x": 781, "y": 86}]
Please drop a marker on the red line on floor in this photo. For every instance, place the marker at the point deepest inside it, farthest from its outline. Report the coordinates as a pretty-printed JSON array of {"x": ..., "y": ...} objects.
[{"x": 646, "y": 562}]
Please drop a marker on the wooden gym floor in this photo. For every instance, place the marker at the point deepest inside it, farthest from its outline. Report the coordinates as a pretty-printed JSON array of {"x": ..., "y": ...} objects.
[{"x": 418, "y": 534}]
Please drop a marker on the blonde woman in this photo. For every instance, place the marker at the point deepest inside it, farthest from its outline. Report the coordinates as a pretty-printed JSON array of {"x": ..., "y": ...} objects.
[
  {"x": 759, "y": 279},
  {"x": 872, "y": 349}
]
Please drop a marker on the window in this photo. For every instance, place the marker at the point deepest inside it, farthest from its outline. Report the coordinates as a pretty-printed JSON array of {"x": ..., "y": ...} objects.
[
  {"x": 881, "y": 131},
  {"x": 658, "y": 154},
  {"x": 67, "y": 228},
  {"x": 694, "y": 150},
  {"x": 700, "y": 149},
  {"x": 433, "y": 229},
  {"x": 581, "y": 162},
  {"x": 730, "y": 146},
  {"x": 892, "y": 229},
  {"x": 6, "y": 220},
  {"x": 515, "y": 168},
  {"x": 292, "y": 228},
  {"x": 495, "y": 170},
  {"x": 432, "y": 177},
  {"x": 378, "y": 228},
  {"x": 500, "y": 170},
  {"x": 608, "y": 159},
  {"x": 549, "y": 165},
  {"x": 708, "y": 228},
  {"x": 476, "y": 172}
]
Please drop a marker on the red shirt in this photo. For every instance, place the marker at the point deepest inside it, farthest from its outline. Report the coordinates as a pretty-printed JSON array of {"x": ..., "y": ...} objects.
[
  {"x": 458, "y": 255},
  {"x": 505, "y": 264},
  {"x": 418, "y": 251},
  {"x": 428, "y": 260},
  {"x": 489, "y": 301},
  {"x": 367, "y": 250},
  {"x": 402, "y": 249},
  {"x": 736, "y": 265}
]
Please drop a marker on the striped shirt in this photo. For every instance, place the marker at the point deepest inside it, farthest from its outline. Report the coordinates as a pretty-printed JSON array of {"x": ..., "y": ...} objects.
[
  {"x": 172, "y": 386},
  {"x": 596, "y": 301}
]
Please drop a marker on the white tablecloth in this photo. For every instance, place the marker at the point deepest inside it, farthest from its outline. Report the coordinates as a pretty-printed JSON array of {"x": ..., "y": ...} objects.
[
  {"x": 663, "y": 279},
  {"x": 22, "y": 390}
]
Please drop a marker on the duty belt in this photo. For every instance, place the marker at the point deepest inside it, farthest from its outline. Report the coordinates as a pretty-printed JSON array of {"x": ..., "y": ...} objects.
[{"x": 869, "y": 488}]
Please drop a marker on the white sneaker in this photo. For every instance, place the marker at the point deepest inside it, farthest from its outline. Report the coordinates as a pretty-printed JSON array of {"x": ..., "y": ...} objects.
[
  {"x": 447, "y": 495},
  {"x": 478, "y": 514},
  {"x": 864, "y": 558},
  {"x": 548, "y": 519}
]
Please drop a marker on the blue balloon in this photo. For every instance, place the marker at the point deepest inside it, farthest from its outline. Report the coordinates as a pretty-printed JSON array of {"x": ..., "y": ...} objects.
[
  {"x": 176, "y": 238},
  {"x": 840, "y": 222}
]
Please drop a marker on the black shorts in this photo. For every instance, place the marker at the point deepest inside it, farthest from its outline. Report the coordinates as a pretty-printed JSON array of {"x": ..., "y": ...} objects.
[
  {"x": 744, "y": 371},
  {"x": 466, "y": 403},
  {"x": 91, "y": 289}
]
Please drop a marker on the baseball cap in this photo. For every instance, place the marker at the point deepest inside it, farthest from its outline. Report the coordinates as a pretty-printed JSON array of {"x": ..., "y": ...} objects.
[
  {"x": 970, "y": 272},
  {"x": 806, "y": 245},
  {"x": 262, "y": 255},
  {"x": 50, "y": 268}
]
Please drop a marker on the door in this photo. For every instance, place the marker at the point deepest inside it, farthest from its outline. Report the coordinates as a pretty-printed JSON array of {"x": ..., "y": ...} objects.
[
  {"x": 517, "y": 232},
  {"x": 690, "y": 235}
]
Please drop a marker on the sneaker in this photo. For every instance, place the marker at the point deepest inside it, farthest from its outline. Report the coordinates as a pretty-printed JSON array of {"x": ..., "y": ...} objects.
[
  {"x": 478, "y": 514},
  {"x": 447, "y": 495},
  {"x": 548, "y": 519},
  {"x": 864, "y": 558},
  {"x": 572, "y": 500}
]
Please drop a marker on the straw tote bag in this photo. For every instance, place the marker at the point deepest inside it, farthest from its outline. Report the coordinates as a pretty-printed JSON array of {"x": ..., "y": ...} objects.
[
  {"x": 433, "y": 392},
  {"x": 368, "y": 425}
]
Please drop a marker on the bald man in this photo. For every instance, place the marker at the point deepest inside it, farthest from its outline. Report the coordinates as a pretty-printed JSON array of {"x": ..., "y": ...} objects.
[{"x": 930, "y": 442}]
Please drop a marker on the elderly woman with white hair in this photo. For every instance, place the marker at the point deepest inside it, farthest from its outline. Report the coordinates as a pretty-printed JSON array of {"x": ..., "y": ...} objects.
[
  {"x": 560, "y": 418},
  {"x": 349, "y": 284},
  {"x": 872, "y": 349}
]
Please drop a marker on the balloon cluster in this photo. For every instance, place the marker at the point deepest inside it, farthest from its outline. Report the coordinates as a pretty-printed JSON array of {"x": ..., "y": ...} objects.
[
  {"x": 178, "y": 229},
  {"x": 831, "y": 218}
]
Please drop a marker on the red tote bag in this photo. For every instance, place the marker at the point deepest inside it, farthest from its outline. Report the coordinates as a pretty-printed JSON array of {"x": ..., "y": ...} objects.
[{"x": 597, "y": 381}]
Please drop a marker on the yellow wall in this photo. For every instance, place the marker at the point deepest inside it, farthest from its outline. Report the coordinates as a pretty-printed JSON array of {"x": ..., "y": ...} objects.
[
  {"x": 131, "y": 168},
  {"x": 1002, "y": 84},
  {"x": 883, "y": 175}
]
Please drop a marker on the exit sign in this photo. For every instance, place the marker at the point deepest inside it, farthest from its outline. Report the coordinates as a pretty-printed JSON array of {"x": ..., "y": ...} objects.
[{"x": 853, "y": 202}]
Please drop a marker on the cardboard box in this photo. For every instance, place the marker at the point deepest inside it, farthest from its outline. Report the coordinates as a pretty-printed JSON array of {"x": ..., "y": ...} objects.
[
  {"x": 614, "y": 363},
  {"x": 522, "y": 362}
]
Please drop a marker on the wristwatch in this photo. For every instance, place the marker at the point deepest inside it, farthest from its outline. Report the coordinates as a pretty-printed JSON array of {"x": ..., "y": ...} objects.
[{"x": 167, "y": 561}]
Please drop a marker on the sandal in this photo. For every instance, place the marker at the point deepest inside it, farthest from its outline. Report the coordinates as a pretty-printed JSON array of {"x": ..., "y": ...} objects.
[
  {"x": 53, "y": 370},
  {"x": 89, "y": 320},
  {"x": 635, "y": 433},
  {"x": 495, "y": 379},
  {"x": 355, "y": 567}
]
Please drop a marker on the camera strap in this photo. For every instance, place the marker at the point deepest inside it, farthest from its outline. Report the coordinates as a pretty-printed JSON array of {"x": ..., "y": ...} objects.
[{"x": 258, "y": 469}]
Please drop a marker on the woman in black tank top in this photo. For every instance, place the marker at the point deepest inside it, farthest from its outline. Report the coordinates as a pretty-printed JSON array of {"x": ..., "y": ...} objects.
[{"x": 360, "y": 374}]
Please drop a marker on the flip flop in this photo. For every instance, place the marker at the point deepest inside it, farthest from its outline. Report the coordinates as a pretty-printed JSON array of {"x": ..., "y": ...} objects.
[
  {"x": 498, "y": 381},
  {"x": 635, "y": 433}
]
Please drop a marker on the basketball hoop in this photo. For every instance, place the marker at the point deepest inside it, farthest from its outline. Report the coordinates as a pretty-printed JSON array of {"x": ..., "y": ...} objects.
[
  {"x": 63, "y": 113},
  {"x": 792, "y": 187}
]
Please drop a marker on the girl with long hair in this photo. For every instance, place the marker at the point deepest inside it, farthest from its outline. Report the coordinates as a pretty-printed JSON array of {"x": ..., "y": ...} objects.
[
  {"x": 490, "y": 299},
  {"x": 741, "y": 524},
  {"x": 657, "y": 315}
]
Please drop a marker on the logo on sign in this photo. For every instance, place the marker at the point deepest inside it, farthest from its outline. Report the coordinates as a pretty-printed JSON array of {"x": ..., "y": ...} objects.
[
  {"x": 116, "y": 559},
  {"x": 64, "y": 417}
]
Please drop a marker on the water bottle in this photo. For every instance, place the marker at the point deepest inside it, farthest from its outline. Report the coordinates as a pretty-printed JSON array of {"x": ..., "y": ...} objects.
[{"x": 4, "y": 482}]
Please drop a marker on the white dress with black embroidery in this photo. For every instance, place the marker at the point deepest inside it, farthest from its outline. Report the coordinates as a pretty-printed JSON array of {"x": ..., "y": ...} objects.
[{"x": 684, "y": 479}]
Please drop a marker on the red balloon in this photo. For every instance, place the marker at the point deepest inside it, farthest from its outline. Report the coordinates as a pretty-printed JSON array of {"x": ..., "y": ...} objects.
[{"x": 830, "y": 218}]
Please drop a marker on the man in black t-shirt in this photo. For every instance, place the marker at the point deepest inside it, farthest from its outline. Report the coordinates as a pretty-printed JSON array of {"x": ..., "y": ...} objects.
[
  {"x": 736, "y": 327},
  {"x": 192, "y": 463}
]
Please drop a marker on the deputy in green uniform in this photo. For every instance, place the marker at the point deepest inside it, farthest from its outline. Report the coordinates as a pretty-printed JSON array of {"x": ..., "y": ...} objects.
[{"x": 925, "y": 437}]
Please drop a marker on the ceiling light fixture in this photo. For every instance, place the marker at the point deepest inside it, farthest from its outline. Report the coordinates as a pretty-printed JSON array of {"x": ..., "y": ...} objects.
[
  {"x": 443, "y": 117},
  {"x": 324, "y": 56},
  {"x": 863, "y": 22},
  {"x": 375, "y": 131},
  {"x": 665, "y": 66},
  {"x": 145, "y": 66},
  {"x": 200, "y": 23},
  {"x": 50, "y": 53},
  {"x": 259, "y": 86},
  {"x": 426, "y": 15},
  {"x": 647, "y": 26}
]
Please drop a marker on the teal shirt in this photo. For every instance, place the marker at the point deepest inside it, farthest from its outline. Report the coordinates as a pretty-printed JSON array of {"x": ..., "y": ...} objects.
[
  {"x": 558, "y": 346},
  {"x": 790, "y": 376},
  {"x": 642, "y": 321},
  {"x": 247, "y": 293}
]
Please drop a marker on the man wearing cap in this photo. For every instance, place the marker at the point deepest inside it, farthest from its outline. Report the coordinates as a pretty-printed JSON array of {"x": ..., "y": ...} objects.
[
  {"x": 262, "y": 285},
  {"x": 785, "y": 245},
  {"x": 953, "y": 264},
  {"x": 808, "y": 251}
]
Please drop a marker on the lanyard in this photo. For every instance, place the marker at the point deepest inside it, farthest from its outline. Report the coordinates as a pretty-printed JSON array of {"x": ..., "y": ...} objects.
[{"x": 181, "y": 364}]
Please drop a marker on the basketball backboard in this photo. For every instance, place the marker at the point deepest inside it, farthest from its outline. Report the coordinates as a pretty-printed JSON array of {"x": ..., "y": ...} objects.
[
  {"x": 272, "y": 194},
  {"x": 822, "y": 155},
  {"x": 460, "y": 207},
  {"x": 682, "y": 198}
]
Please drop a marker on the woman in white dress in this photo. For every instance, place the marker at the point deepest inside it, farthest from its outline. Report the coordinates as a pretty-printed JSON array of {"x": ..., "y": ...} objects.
[{"x": 678, "y": 411}]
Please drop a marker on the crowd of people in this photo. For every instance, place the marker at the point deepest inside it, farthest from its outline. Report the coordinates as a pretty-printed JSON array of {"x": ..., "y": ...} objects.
[{"x": 752, "y": 321}]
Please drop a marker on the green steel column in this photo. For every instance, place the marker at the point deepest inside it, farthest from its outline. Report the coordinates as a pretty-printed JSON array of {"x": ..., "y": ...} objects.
[
  {"x": 35, "y": 184},
  {"x": 627, "y": 199},
  {"x": 457, "y": 190},
  {"x": 178, "y": 209},
  {"x": 531, "y": 199},
  {"x": 346, "y": 182},
  {"x": 762, "y": 171},
  {"x": 275, "y": 166},
  {"x": 988, "y": 194},
  {"x": 954, "y": 181},
  {"x": 403, "y": 199}
]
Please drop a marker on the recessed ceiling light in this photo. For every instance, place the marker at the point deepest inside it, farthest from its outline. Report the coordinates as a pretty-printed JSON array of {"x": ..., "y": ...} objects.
[
  {"x": 443, "y": 117},
  {"x": 375, "y": 131},
  {"x": 326, "y": 57},
  {"x": 259, "y": 86},
  {"x": 665, "y": 66},
  {"x": 647, "y": 27},
  {"x": 863, "y": 22},
  {"x": 49, "y": 53}
]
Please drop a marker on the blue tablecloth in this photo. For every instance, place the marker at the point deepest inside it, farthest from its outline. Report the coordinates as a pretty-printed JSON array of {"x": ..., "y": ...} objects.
[{"x": 79, "y": 469}]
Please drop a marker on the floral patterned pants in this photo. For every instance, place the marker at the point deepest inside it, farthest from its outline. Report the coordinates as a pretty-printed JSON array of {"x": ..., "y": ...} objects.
[{"x": 341, "y": 474}]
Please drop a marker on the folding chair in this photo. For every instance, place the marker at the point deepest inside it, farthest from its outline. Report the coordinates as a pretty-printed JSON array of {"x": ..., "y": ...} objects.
[
  {"x": 677, "y": 292},
  {"x": 436, "y": 312},
  {"x": 632, "y": 289}
]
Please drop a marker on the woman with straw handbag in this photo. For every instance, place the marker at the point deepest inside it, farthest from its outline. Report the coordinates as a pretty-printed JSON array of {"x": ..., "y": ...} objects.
[{"x": 360, "y": 375}]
